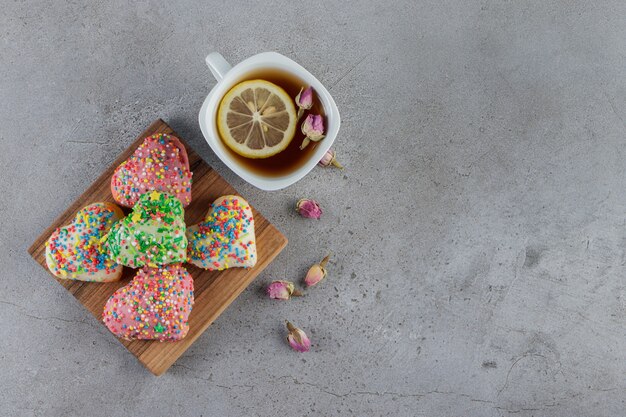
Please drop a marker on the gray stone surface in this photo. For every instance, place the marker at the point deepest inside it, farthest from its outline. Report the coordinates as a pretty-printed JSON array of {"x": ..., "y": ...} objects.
[{"x": 478, "y": 229}]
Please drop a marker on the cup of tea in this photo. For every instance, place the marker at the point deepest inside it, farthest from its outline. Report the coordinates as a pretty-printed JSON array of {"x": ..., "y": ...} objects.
[{"x": 230, "y": 94}]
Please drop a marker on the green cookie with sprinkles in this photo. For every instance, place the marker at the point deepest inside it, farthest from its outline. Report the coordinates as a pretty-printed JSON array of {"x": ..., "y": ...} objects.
[{"x": 152, "y": 234}]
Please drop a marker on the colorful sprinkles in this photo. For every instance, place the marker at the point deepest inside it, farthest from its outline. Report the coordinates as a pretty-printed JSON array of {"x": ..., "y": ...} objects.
[
  {"x": 155, "y": 305},
  {"x": 74, "y": 251},
  {"x": 156, "y": 183},
  {"x": 225, "y": 238},
  {"x": 153, "y": 234},
  {"x": 160, "y": 163}
]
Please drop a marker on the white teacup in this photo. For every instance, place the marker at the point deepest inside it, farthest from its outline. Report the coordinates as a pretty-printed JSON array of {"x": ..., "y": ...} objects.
[{"x": 228, "y": 76}]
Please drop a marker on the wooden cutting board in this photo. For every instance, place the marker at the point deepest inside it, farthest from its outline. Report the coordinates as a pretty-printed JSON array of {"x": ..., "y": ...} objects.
[{"x": 214, "y": 291}]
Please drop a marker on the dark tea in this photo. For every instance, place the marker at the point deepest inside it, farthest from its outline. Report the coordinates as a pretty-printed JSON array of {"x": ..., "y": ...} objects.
[{"x": 292, "y": 158}]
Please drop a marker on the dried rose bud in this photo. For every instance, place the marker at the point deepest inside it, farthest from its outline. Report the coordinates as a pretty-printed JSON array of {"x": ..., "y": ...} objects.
[
  {"x": 304, "y": 100},
  {"x": 313, "y": 129},
  {"x": 282, "y": 290},
  {"x": 329, "y": 159},
  {"x": 297, "y": 339},
  {"x": 316, "y": 273},
  {"x": 309, "y": 209}
]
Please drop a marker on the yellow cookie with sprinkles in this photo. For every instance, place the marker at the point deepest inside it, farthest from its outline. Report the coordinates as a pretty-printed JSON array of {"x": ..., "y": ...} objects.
[{"x": 75, "y": 251}]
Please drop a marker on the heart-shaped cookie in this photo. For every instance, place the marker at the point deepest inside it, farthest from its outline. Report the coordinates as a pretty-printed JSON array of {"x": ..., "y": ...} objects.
[
  {"x": 155, "y": 305},
  {"x": 225, "y": 239},
  {"x": 152, "y": 234},
  {"x": 160, "y": 163},
  {"x": 75, "y": 251}
]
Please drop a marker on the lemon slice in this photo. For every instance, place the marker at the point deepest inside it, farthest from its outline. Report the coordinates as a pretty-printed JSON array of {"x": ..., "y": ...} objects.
[{"x": 256, "y": 119}]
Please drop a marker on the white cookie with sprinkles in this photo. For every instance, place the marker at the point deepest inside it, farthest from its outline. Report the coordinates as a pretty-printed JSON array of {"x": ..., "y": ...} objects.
[{"x": 225, "y": 238}]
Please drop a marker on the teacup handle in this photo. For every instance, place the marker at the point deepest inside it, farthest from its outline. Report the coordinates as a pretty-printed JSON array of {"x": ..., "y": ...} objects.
[{"x": 218, "y": 65}]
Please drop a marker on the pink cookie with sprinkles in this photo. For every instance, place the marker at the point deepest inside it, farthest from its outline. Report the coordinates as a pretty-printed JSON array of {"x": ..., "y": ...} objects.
[
  {"x": 75, "y": 251},
  {"x": 155, "y": 305},
  {"x": 225, "y": 239},
  {"x": 160, "y": 163}
]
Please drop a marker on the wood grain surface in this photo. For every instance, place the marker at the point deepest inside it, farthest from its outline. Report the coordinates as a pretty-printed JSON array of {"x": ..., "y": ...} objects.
[{"x": 214, "y": 291}]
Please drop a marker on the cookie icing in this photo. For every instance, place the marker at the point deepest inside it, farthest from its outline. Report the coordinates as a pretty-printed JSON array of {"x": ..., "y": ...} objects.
[
  {"x": 152, "y": 234},
  {"x": 225, "y": 238},
  {"x": 75, "y": 252},
  {"x": 160, "y": 163},
  {"x": 155, "y": 305}
]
